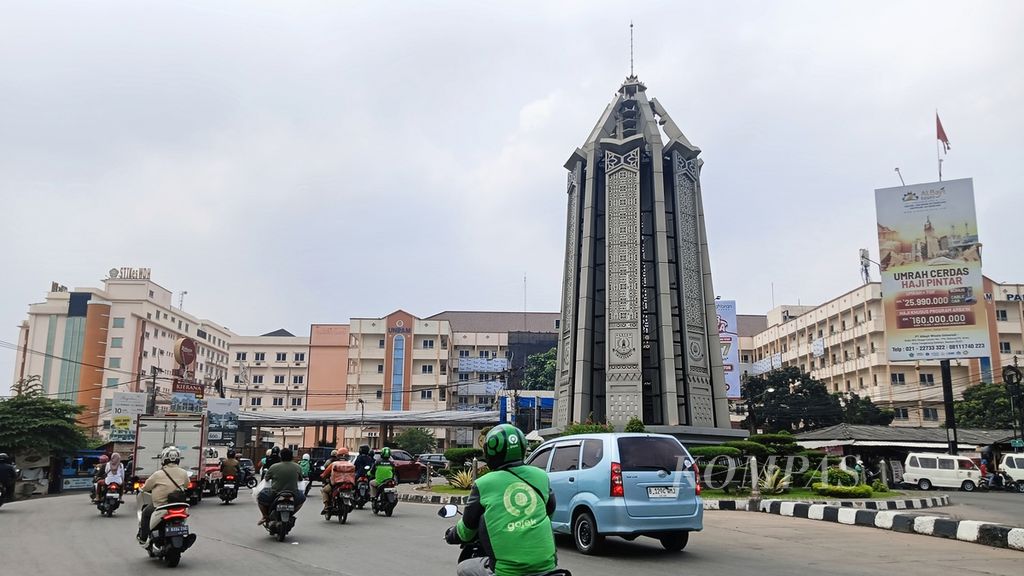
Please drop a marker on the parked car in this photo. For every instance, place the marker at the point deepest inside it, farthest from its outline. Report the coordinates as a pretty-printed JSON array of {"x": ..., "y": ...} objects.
[
  {"x": 407, "y": 469},
  {"x": 928, "y": 469},
  {"x": 626, "y": 485},
  {"x": 436, "y": 462},
  {"x": 1013, "y": 465}
]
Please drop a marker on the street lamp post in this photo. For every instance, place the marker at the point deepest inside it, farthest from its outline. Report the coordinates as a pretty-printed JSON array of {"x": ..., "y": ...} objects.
[
  {"x": 362, "y": 418},
  {"x": 750, "y": 409}
]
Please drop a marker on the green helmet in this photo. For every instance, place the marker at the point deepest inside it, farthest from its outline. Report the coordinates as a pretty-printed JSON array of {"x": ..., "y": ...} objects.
[
  {"x": 504, "y": 444},
  {"x": 385, "y": 453}
]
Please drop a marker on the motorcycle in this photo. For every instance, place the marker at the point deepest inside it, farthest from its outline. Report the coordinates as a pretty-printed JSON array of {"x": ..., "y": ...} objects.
[
  {"x": 282, "y": 516},
  {"x": 342, "y": 502},
  {"x": 1000, "y": 482},
  {"x": 169, "y": 534},
  {"x": 228, "y": 490},
  {"x": 387, "y": 498},
  {"x": 475, "y": 549},
  {"x": 362, "y": 495},
  {"x": 109, "y": 500}
]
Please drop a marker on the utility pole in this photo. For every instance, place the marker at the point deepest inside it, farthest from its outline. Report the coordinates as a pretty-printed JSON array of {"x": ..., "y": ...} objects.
[{"x": 947, "y": 403}]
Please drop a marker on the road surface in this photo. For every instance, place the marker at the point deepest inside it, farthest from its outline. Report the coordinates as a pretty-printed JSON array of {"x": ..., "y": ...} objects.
[{"x": 65, "y": 535}]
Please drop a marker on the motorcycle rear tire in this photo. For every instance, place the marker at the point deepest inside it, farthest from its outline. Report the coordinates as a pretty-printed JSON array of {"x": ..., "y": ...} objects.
[
  {"x": 389, "y": 511},
  {"x": 251, "y": 482},
  {"x": 281, "y": 534},
  {"x": 172, "y": 558},
  {"x": 343, "y": 518}
]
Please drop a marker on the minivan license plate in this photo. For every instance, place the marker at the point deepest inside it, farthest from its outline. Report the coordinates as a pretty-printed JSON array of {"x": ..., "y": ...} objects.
[{"x": 661, "y": 491}]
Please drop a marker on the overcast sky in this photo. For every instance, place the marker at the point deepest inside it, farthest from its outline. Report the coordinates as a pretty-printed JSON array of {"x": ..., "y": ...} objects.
[{"x": 297, "y": 162}]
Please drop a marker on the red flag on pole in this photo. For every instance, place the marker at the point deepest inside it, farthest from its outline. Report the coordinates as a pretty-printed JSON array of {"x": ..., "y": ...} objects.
[{"x": 941, "y": 134}]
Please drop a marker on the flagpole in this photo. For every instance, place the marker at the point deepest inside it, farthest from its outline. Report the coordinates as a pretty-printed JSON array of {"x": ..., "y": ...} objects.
[{"x": 938, "y": 159}]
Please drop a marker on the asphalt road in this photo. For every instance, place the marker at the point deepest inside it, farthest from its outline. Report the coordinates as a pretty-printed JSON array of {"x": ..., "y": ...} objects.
[
  {"x": 65, "y": 535},
  {"x": 998, "y": 507}
]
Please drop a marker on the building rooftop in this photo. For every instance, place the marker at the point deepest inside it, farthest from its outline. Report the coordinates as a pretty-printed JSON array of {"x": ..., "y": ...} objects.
[
  {"x": 481, "y": 321},
  {"x": 279, "y": 332},
  {"x": 849, "y": 433}
]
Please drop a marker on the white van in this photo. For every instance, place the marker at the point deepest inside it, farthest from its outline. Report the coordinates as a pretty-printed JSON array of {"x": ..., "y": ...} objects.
[
  {"x": 1013, "y": 465},
  {"x": 927, "y": 469}
]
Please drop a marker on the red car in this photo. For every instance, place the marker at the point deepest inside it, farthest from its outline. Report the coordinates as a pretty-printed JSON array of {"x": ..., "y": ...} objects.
[{"x": 407, "y": 469}]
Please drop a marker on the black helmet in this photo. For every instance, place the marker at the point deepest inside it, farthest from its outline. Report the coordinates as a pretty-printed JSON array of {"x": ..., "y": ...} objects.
[
  {"x": 231, "y": 453},
  {"x": 4, "y": 458},
  {"x": 504, "y": 444},
  {"x": 275, "y": 450},
  {"x": 364, "y": 449}
]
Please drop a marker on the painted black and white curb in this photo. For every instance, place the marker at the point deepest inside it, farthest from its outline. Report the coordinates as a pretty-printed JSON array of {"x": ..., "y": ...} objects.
[
  {"x": 906, "y": 504},
  {"x": 965, "y": 530},
  {"x": 430, "y": 498}
]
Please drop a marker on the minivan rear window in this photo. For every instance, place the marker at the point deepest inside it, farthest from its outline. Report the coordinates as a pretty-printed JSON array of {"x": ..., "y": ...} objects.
[{"x": 650, "y": 453}]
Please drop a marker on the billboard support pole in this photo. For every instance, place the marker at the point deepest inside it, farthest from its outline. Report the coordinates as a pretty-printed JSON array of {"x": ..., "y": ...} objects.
[{"x": 947, "y": 402}]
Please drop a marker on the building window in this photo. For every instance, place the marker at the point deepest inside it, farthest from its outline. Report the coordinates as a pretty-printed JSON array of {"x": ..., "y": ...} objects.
[
  {"x": 278, "y": 401},
  {"x": 442, "y": 393},
  {"x": 380, "y": 368},
  {"x": 397, "y": 371},
  {"x": 1001, "y": 315},
  {"x": 860, "y": 382},
  {"x": 297, "y": 379},
  {"x": 300, "y": 356},
  {"x": 380, "y": 343},
  {"x": 745, "y": 359},
  {"x": 257, "y": 379},
  {"x": 558, "y": 324},
  {"x": 1004, "y": 347},
  {"x": 296, "y": 401},
  {"x": 282, "y": 357},
  {"x": 106, "y": 424},
  {"x": 116, "y": 342},
  {"x": 428, "y": 344},
  {"x": 279, "y": 379},
  {"x": 113, "y": 362},
  {"x": 259, "y": 356},
  {"x": 426, "y": 394},
  {"x": 927, "y": 379},
  {"x": 463, "y": 377},
  {"x": 931, "y": 413},
  {"x": 463, "y": 353},
  {"x": 256, "y": 401},
  {"x": 238, "y": 379},
  {"x": 117, "y": 323},
  {"x": 427, "y": 369},
  {"x": 484, "y": 354},
  {"x": 900, "y": 413},
  {"x": 380, "y": 394},
  {"x": 444, "y": 366},
  {"x": 111, "y": 382},
  {"x": 240, "y": 356},
  {"x": 897, "y": 378}
]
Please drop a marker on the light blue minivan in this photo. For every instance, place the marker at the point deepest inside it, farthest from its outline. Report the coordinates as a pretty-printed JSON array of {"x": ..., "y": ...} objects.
[{"x": 620, "y": 484}]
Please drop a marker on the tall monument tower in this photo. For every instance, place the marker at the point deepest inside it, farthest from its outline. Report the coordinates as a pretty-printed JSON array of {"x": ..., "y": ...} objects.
[{"x": 639, "y": 331}]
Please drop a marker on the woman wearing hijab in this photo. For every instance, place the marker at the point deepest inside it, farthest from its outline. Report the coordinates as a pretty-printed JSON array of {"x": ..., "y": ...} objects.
[{"x": 115, "y": 473}]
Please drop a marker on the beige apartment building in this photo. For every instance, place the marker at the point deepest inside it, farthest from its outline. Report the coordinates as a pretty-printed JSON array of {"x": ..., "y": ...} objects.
[
  {"x": 87, "y": 343},
  {"x": 842, "y": 343},
  {"x": 269, "y": 373}
]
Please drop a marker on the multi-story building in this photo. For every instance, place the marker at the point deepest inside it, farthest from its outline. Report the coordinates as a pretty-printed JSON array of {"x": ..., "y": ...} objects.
[
  {"x": 85, "y": 344},
  {"x": 270, "y": 373},
  {"x": 842, "y": 343}
]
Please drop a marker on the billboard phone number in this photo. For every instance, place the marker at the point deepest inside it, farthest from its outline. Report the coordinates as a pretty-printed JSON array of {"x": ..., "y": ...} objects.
[{"x": 937, "y": 347}]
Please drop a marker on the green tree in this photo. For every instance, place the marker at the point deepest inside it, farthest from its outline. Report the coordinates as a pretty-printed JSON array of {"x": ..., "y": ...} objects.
[
  {"x": 540, "y": 370},
  {"x": 984, "y": 406},
  {"x": 635, "y": 425},
  {"x": 416, "y": 440},
  {"x": 33, "y": 421},
  {"x": 857, "y": 410},
  {"x": 795, "y": 403}
]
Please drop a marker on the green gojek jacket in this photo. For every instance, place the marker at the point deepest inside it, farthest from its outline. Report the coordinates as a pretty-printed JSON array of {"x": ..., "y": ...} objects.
[
  {"x": 383, "y": 471},
  {"x": 509, "y": 509}
]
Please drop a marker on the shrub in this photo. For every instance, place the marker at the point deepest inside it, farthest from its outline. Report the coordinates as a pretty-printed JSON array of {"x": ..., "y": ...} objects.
[
  {"x": 587, "y": 427},
  {"x": 836, "y": 477},
  {"x": 462, "y": 479},
  {"x": 707, "y": 453},
  {"x": 862, "y": 491},
  {"x": 749, "y": 448},
  {"x": 775, "y": 482},
  {"x": 635, "y": 425},
  {"x": 879, "y": 486},
  {"x": 459, "y": 455},
  {"x": 768, "y": 439}
]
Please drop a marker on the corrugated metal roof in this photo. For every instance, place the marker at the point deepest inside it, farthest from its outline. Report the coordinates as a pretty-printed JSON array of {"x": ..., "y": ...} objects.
[
  {"x": 903, "y": 434},
  {"x": 499, "y": 322}
]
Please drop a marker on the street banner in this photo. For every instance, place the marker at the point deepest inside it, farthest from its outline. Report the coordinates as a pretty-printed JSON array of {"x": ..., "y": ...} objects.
[
  {"x": 930, "y": 257},
  {"x": 222, "y": 421},
  {"x": 729, "y": 339},
  {"x": 184, "y": 403},
  {"x": 125, "y": 409}
]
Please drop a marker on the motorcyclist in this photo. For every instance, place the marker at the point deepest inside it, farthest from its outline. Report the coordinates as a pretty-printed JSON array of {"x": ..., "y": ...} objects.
[
  {"x": 337, "y": 472},
  {"x": 230, "y": 466},
  {"x": 509, "y": 510},
  {"x": 283, "y": 476},
  {"x": 363, "y": 460},
  {"x": 114, "y": 473},
  {"x": 8, "y": 475},
  {"x": 169, "y": 480},
  {"x": 99, "y": 474},
  {"x": 382, "y": 471}
]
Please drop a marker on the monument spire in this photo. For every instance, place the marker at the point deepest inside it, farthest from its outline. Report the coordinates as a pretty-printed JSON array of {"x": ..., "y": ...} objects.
[{"x": 631, "y": 48}]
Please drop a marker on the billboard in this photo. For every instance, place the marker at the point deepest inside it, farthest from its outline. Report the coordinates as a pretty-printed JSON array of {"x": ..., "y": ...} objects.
[
  {"x": 729, "y": 338},
  {"x": 930, "y": 257},
  {"x": 222, "y": 421},
  {"x": 125, "y": 409}
]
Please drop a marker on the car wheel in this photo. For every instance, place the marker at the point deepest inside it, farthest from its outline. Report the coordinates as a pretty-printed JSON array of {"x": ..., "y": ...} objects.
[
  {"x": 1020, "y": 486},
  {"x": 967, "y": 486},
  {"x": 423, "y": 478},
  {"x": 584, "y": 534},
  {"x": 924, "y": 484},
  {"x": 675, "y": 542}
]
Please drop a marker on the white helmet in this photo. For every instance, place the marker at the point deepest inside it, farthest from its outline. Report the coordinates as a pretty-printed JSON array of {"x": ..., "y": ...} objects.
[{"x": 169, "y": 455}]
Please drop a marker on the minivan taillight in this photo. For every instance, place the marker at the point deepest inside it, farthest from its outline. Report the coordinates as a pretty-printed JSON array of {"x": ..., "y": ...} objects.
[
  {"x": 696, "y": 478},
  {"x": 617, "y": 489}
]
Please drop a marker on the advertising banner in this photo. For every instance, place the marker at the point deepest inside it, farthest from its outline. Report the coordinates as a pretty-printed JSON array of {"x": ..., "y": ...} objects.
[
  {"x": 184, "y": 403},
  {"x": 125, "y": 409},
  {"x": 932, "y": 291},
  {"x": 222, "y": 421},
  {"x": 729, "y": 338}
]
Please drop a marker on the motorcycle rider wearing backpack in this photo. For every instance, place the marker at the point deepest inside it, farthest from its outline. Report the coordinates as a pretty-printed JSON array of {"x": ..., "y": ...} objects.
[
  {"x": 170, "y": 480},
  {"x": 509, "y": 510},
  {"x": 363, "y": 460}
]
